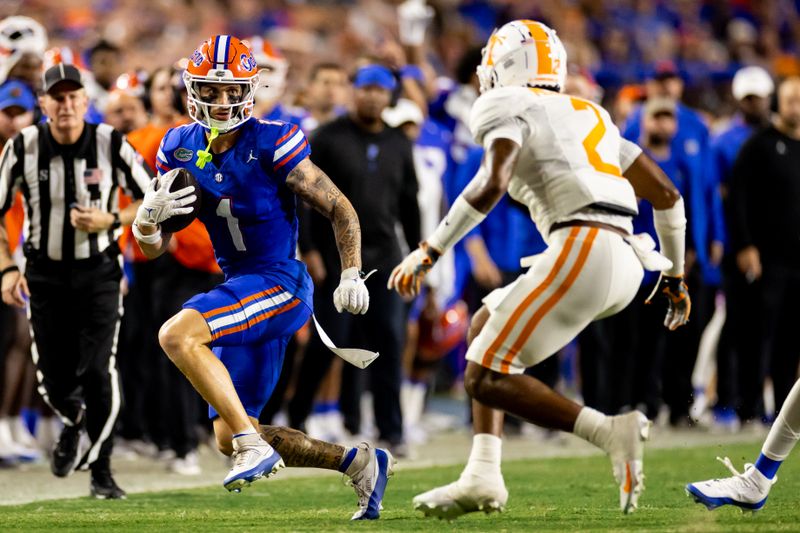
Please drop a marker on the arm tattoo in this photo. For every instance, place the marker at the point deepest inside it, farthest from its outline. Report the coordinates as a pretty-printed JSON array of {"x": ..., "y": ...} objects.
[
  {"x": 298, "y": 449},
  {"x": 315, "y": 187}
]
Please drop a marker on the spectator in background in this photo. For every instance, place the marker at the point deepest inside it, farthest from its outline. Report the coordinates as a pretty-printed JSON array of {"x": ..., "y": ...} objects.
[
  {"x": 140, "y": 424},
  {"x": 372, "y": 165},
  {"x": 739, "y": 398},
  {"x": 17, "y": 103},
  {"x": 23, "y": 42},
  {"x": 764, "y": 225},
  {"x": 668, "y": 378},
  {"x": 125, "y": 111},
  {"x": 324, "y": 97},
  {"x": 324, "y": 100},
  {"x": 691, "y": 137},
  {"x": 273, "y": 69},
  {"x": 106, "y": 64},
  {"x": 156, "y": 291},
  {"x": 689, "y": 149},
  {"x": 16, "y": 366},
  {"x": 431, "y": 310}
]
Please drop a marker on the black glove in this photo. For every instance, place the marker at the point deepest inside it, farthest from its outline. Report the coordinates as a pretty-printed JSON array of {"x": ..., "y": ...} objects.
[{"x": 679, "y": 305}]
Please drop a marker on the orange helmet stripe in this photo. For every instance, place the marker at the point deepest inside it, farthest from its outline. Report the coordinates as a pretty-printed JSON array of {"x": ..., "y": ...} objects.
[
  {"x": 542, "y": 39},
  {"x": 493, "y": 40}
]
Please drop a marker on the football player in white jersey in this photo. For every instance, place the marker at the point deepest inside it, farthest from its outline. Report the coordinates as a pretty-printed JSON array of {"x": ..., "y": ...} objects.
[{"x": 563, "y": 157}]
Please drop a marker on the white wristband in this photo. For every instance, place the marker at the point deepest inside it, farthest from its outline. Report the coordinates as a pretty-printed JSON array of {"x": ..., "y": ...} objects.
[
  {"x": 671, "y": 229},
  {"x": 153, "y": 238},
  {"x": 461, "y": 218}
]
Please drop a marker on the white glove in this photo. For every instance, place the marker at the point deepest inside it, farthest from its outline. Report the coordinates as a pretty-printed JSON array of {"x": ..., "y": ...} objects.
[
  {"x": 413, "y": 19},
  {"x": 352, "y": 295},
  {"x": 406, "y": 278},
  {"x": 159, "y": 205}
]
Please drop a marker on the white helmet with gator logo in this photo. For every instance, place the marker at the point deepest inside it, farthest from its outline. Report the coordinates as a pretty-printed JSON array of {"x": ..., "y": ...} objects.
[{"x": 523, "y": 53}]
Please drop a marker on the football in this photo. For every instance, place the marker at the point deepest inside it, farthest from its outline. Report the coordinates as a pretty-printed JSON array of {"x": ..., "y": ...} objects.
[{"x": 175, "y": 223}]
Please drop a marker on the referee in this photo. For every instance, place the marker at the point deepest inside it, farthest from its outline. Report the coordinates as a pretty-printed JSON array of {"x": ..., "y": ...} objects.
[{"x": 69, "y": 172}]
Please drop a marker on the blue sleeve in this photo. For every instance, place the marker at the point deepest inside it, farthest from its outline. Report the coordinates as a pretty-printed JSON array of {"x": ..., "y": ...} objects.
[
  {"x": 163, "y": 163},
  {"x": 289, "y": 149}
]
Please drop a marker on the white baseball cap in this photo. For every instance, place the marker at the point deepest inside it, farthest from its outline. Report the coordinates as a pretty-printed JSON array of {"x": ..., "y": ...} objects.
[
  {"x": 404, "y": 111},
  {"x": 752, "y": 81}
]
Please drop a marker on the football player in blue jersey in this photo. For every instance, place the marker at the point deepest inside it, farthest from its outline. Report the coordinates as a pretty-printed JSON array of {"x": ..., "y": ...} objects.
[{"x": 230, "y": 341}]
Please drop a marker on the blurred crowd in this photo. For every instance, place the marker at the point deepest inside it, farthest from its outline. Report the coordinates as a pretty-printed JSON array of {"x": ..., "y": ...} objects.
[{"x": 688, "y": 80}]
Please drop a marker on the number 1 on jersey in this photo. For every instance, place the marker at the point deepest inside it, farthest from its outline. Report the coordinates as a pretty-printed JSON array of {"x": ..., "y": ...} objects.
[{"x": 224, "y": 210}]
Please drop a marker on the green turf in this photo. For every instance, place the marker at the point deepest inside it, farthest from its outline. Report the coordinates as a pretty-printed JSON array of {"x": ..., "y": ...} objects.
[{"x": 574, "y": 494}]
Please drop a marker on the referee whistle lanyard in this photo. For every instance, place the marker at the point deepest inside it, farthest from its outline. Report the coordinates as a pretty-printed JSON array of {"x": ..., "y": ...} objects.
[{"x": 204, "y": 156}]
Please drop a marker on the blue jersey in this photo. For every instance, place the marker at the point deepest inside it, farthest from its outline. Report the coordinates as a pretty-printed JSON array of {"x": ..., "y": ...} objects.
[
  {"x": 248, "y": 210},
  {"x": 279, "y": 113},
  {"x": 691, "y": 151}
]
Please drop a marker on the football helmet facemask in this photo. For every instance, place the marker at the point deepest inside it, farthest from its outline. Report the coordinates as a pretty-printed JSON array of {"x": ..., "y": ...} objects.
[{"x": 222, "y": 60}]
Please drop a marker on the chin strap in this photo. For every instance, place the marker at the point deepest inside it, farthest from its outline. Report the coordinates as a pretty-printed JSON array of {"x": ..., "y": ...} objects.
[{"x": 204, "y": 156}]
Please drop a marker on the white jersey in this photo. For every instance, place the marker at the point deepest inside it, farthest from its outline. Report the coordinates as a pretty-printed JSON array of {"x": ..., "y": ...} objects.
[{"x": 570, "y": 165}]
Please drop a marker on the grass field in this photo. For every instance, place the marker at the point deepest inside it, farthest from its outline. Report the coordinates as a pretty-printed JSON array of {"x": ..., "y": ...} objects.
[{"x": 575, "y": 494}]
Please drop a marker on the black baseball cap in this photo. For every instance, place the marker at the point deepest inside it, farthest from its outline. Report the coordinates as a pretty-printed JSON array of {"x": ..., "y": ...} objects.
[{"x": 61, "y": 73}]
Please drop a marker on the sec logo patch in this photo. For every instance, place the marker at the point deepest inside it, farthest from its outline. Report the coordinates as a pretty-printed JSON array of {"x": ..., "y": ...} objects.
[{"x": 183, "y": 154}]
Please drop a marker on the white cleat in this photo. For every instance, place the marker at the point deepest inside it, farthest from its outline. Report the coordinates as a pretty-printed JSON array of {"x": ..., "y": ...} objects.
[
  {"x": 253, "y": 459},
  {"x": 748, "y": 490},
  {"x": 626, "y": 450},
  {"x": 370, "y": 482},
  {"x": 462, "y": 497}
]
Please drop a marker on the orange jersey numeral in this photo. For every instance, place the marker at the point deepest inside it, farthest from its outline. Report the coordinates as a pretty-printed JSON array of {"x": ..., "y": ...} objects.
[{"x": 594, "y": 137}]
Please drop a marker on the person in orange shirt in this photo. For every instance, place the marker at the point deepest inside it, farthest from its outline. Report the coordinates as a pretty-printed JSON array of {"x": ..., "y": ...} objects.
[{"x": 157, "y": 290}]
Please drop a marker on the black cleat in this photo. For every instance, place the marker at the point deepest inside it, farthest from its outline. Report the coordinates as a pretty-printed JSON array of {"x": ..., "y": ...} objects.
[
  {"x": 65, "y": 453},
  {"x": 103, "y": 487}
]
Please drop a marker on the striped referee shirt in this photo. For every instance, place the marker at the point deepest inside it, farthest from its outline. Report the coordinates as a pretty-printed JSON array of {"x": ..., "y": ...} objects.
[{"x": 53, "y": 177}]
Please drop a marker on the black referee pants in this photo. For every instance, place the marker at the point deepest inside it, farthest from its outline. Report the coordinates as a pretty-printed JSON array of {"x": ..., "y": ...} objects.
[{"x": 75, "y": 314}]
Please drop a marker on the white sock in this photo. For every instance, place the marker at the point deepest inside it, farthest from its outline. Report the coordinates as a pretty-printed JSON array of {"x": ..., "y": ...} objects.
[
  {"x": 591, "y": 425},
  {"x": 484, "y": 459},
  {"x": 786, "y": 430},
  {"x": 249, "y": 431},
  {"x": 412, "y": 402}
]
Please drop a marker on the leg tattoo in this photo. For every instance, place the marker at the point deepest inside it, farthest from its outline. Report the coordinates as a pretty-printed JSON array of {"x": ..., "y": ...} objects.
[{"x": 298, "y": 449}]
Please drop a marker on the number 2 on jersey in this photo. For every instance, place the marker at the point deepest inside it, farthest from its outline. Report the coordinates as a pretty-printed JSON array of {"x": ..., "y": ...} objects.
[
  {"x": 224, "y": 210},
  {"x": 593, "y": 139}
]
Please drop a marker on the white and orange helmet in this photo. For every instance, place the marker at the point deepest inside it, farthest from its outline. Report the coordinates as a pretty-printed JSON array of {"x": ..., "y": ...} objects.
[
  {"x": 273, "y": 69},
  {"x": 523, "y": 53},
  {"x": 19, "y": 35}
]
